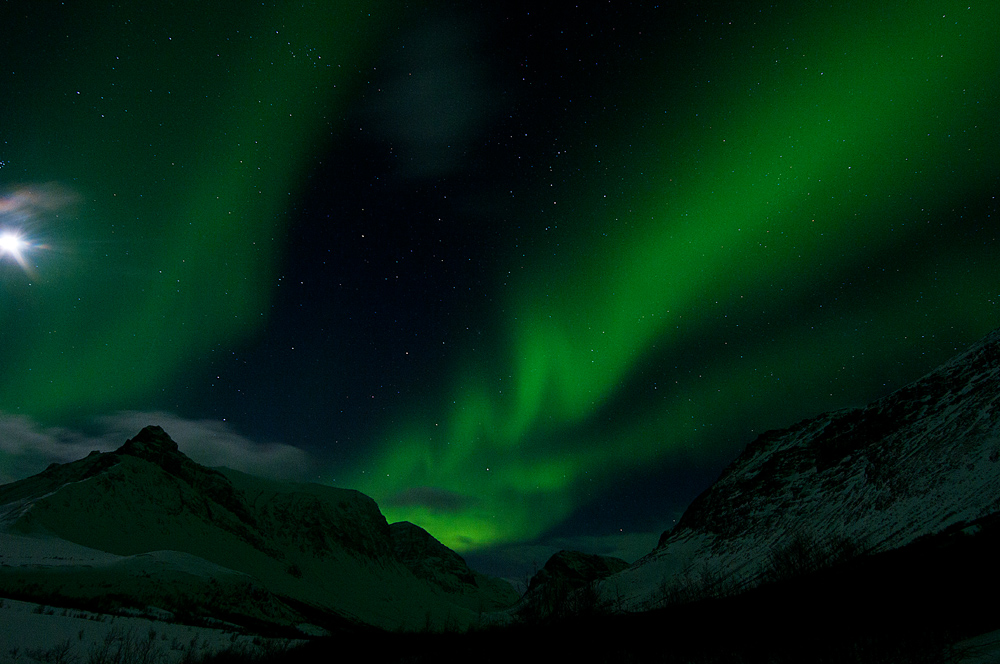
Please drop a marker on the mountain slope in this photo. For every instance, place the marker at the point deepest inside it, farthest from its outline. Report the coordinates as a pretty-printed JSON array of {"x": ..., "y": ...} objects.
[
  {"x": 860, "y": 480},
  {"x": 195, "y": 540}
]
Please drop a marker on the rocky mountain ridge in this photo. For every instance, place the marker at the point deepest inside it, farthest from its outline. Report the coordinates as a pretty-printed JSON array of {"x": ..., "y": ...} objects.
[
  {"x": 914, "y": 463},
  {"x": 196, "y": 540}
]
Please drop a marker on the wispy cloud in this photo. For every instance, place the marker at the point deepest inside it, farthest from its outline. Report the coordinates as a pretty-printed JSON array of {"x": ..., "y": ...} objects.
[{"x": 26, "y": 447}]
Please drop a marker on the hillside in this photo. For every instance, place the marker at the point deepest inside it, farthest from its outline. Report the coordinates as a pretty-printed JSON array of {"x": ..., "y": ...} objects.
[
  {"x": 914, "y": 463},
  {"x": 146, "y": 526}
]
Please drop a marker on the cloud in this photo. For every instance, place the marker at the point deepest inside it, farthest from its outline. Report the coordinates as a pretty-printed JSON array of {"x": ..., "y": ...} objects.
[
  {"x": 27, "y": 447},
  {"x": 214, "y": 443},
  {"x": 437, "y": 500}
]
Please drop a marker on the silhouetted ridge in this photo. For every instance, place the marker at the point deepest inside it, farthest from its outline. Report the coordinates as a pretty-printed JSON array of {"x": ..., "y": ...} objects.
[
  {"x": 575, "y": 569},
  {"x": 152, "y": 444}
]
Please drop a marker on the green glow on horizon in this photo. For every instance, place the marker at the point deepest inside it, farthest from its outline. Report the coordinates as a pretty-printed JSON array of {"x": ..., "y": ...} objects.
[{"x": 778, "y": 193}]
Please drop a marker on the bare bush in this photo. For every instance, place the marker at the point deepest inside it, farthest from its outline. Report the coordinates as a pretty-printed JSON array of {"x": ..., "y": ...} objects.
[{"x": 127, "y": 646}]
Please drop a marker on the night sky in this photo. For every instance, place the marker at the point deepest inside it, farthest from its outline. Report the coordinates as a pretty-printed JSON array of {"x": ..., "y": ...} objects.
[{"x": 529, "y": 278}]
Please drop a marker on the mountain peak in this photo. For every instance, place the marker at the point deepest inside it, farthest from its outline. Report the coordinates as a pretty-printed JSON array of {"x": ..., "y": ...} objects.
[
  {"x": 155, "y": 446},
  {"x": 151, "y": 437},
  {"x": 152, "y": 444},
  {"x": 204, "y": 541}
]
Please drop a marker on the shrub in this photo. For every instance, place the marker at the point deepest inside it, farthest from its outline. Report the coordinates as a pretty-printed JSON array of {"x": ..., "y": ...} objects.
[{"x": 126, "y": 646}]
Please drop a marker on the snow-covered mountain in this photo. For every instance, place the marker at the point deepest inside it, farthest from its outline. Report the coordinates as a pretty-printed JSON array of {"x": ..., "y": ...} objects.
[
  {"x": 145, "y": 526},
  {"x": 863, "y": 480}
]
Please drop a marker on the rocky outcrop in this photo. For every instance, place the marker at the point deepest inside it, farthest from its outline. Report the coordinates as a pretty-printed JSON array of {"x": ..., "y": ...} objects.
[
  {"x": 428, "y": 559},
  {"x": 444, "y": 569},
  {"x": 153, "y": 445},
  {"x": 567, "y": 584},
  {"x": 574, "y": 569}
]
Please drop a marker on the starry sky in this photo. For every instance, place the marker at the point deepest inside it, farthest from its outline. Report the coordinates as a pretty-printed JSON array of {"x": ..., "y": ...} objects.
[{"x": 529, "y": 278}]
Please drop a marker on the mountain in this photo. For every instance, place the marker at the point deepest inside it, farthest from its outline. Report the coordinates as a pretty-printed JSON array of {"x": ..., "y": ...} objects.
[
  {"x": 575, "y": 569},
  {"x": 912, "y": 464},
  {"x": 145, "y": 526},
  {"x": 567, "y": 575}
]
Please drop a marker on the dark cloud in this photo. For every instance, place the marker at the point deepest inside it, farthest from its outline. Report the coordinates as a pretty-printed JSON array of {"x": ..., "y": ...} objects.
[
  {"x": 433, "y": 99},
  {"x": 437, "y": 500}
]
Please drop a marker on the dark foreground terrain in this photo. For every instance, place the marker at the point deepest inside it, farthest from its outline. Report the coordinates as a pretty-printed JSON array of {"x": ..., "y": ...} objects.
[{"x": 909, "y": 605}]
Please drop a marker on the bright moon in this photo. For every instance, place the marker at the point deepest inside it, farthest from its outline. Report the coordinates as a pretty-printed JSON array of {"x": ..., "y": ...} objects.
[{"x": 11, "y": 243}]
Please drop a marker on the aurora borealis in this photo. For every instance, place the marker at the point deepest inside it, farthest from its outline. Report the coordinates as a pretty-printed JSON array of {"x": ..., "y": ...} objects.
[{"x": 516, "y": 275}]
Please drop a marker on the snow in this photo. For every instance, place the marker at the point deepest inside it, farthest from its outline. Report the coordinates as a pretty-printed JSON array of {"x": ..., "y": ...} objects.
[
  {"x": 168, "y": 540},
  {"x": 913, "y": 463},
  {"x": 31, "y": 629},
  {"x": 19, "y": 550}
]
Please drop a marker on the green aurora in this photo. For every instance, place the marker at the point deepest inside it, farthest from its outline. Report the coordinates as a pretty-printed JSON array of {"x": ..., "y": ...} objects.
[
  {"x": 184, "y": 141},
  {"x": 807, "y": 161},
  {"x": 733, "y": 222}
]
